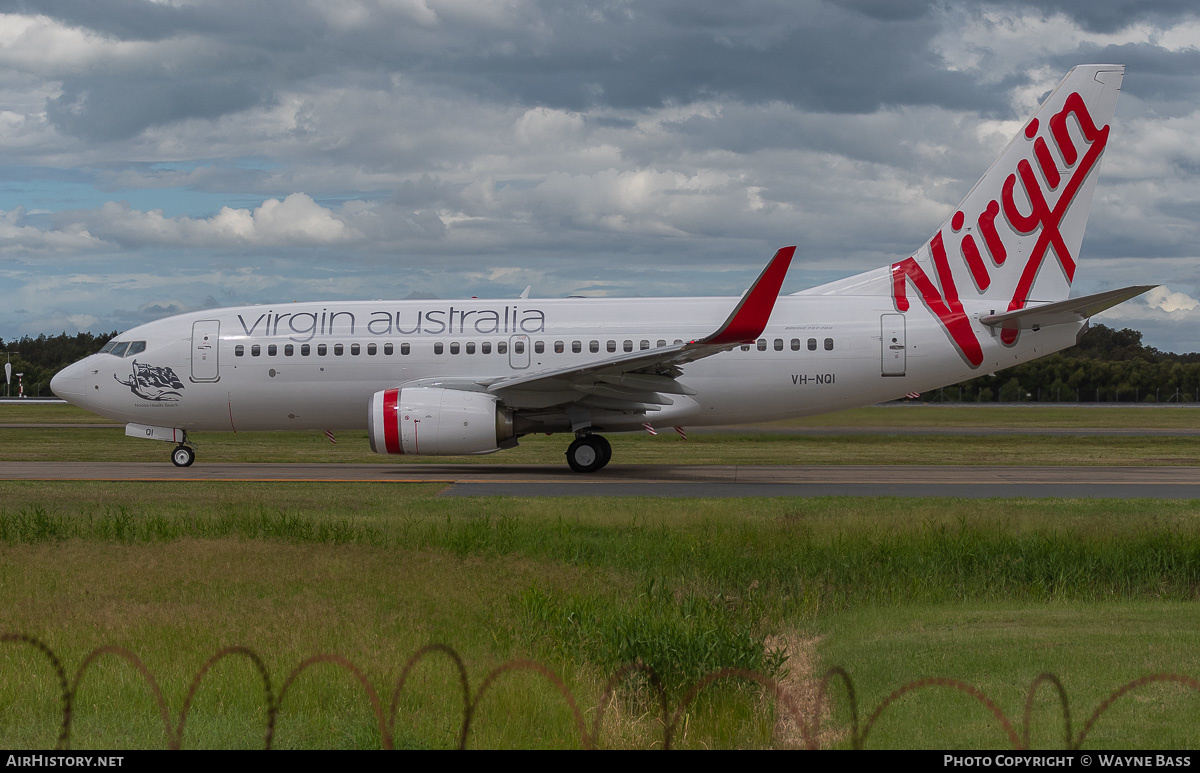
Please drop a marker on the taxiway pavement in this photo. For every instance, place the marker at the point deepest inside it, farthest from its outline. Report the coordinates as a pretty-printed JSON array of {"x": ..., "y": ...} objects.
[{"x": 672, "y": 480}]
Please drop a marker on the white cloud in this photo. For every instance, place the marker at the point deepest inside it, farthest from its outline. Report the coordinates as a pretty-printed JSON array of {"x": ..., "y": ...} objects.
[
  {"x": 1163, "y": 298},
  {"x": 16, "y": 237},
  {"x": 295, "y": 221}
]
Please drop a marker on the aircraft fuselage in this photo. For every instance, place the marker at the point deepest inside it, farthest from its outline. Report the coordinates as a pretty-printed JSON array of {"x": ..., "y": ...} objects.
[{"x": 306, "y": 366}]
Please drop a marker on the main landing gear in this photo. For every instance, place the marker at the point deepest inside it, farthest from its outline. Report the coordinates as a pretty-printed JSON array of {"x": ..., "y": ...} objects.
[{"x": 589, "y": 453}]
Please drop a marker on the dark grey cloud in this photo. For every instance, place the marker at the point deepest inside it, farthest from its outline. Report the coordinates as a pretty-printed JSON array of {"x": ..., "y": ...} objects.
[
  {"x": 852, "y": 57},
  {"x": 1152, "y": 73},
  {"x": 812, "y": 54},
  {"x": 1110, "y": 15},
  {"x": 848, "y": 56},
  {"x": 889, "y": 10},
  {"x": 122, "y": 19},
  {"x": 103, "y": 109}
]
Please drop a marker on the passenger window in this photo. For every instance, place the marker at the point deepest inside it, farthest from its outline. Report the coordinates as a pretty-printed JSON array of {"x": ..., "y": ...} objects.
[
  {"x": 371, "y": 350},
  {"x": 322, "y": 350},
  {"x": 272, "y": 350},
  {"x": 470, "y": 347},
  {"x": 661, "y": 343},
  {"x": 404, "y": 349},
  {"x": 762, "y": 344},
  {"x": 519, "y": 346},
  {"x": 558, "y": 347},
  {"x": 795, "y": 344},
  {"x": 576, "y": 347},
  {"x": 388, "y": 349},
  {"x": 779, "y": 344},
  {"x": 593, "y": 346},
  {"x": 288, "y": 350},
  {"x": 255, "y": 350},
  {"x": 812, "y": 344},
  {"x": 304, "y": 350},
  {"x": 354, "y": 349},
  {"x": 644, "y": 344},
  {"x": 612, "y": 346},
  {"x": 502, "y": 347},
  {"x": 438, "y": 348},
  {"x": 745, "y": 347},
  {"x": 239, "y": 351},
  {"x": 628, "y": 346},
  {"x": 538, "y": 347},
  {"x": 829, "y": 344},
  {"x": 338, "y": 350},
  {"x": 678, "y": 341},
  {"x": 454, "y": 347},
  {"x": 485, "y": 347}
]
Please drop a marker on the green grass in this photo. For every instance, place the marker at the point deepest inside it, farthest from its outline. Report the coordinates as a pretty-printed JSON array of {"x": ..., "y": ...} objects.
[
  {"x": 989, "y": 591},
  {"x": 43, "y": 413},
  {"x": 768, "y": 444},
  {"x": 1000, "y": 648},
  {"x": 1028, "y": 415},
  {"x": 752, "y": 448},
  {"x": 1032, "y": 415}
]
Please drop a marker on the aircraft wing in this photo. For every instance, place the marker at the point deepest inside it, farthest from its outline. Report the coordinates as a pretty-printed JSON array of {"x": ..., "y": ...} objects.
[
  {"x": 640, "y": 379},
  {"x": 1070, "y": 310}
]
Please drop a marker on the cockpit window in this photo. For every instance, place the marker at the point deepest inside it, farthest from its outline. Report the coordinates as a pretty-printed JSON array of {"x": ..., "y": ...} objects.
[{"x": 124, "y": 348}]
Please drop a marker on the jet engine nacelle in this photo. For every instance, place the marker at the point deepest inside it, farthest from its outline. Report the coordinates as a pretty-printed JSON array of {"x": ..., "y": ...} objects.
[{"x": 438, "y": 422}]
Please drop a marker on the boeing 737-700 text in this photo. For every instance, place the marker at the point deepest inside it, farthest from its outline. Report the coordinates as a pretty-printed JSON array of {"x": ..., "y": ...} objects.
[{"x": 988, "y": 291}]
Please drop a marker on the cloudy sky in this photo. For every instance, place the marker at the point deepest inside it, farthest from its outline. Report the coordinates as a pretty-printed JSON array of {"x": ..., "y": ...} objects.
[{"x": 165, "y": 155}]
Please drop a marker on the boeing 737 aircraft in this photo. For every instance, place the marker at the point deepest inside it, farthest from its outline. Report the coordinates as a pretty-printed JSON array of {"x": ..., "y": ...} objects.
[{"x": 988, "y": 291}]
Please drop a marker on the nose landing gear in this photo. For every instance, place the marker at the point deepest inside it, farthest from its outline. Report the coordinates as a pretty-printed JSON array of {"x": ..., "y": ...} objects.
[
  {"x": 589, "y": 453},
  {"x": 183, "y": 456}
]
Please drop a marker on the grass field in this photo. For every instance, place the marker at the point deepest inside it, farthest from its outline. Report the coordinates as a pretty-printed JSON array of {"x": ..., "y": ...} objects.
[
  {"x": 768, "y": 444},
  {"x": 989, "y": 592},
  {"x": 1055, "y": 415}
]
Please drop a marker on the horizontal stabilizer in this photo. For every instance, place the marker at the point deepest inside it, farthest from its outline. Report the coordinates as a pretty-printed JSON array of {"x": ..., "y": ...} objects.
[{"x": 1061, "y": 312}]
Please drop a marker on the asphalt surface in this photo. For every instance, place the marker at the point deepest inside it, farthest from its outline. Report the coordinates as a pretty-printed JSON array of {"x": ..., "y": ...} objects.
[
  {"x": 826, "y": 431},
  {"x": 673, "y": 480}
]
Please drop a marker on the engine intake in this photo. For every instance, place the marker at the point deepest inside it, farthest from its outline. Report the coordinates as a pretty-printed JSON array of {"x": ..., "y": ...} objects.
[{"x": 430, "y": 421}]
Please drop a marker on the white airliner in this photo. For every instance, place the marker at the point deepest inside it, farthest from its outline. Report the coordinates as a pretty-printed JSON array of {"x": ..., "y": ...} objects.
[{"x": 987, "y": 291}]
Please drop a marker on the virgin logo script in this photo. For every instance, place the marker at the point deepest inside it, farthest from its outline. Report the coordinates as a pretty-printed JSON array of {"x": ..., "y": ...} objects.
[{"x": 1043, "y": 218}]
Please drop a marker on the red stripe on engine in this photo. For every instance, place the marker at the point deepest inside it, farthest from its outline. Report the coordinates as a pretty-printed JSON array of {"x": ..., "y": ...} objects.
[{"x": 391, "y": 422}]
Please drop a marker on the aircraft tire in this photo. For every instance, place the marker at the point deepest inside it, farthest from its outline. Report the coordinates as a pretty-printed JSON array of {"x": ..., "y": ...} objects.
[
  {"x": 587, "y": 453},
  {"x": 605, "y": 449},
  {"x": 183, "y": 456}
]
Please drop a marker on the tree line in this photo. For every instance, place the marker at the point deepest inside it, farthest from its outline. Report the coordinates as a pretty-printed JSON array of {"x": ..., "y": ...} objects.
[
  {"x": 40, "y": 358},
  {"x": 1108, "y": 365}
]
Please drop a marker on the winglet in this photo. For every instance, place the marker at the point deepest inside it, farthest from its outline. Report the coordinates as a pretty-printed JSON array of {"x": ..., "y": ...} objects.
[{"x": 750, "y": 316}]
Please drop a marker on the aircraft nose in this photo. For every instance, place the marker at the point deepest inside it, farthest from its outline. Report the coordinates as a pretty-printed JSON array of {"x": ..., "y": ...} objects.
[{"x": 68, "y": 384}]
